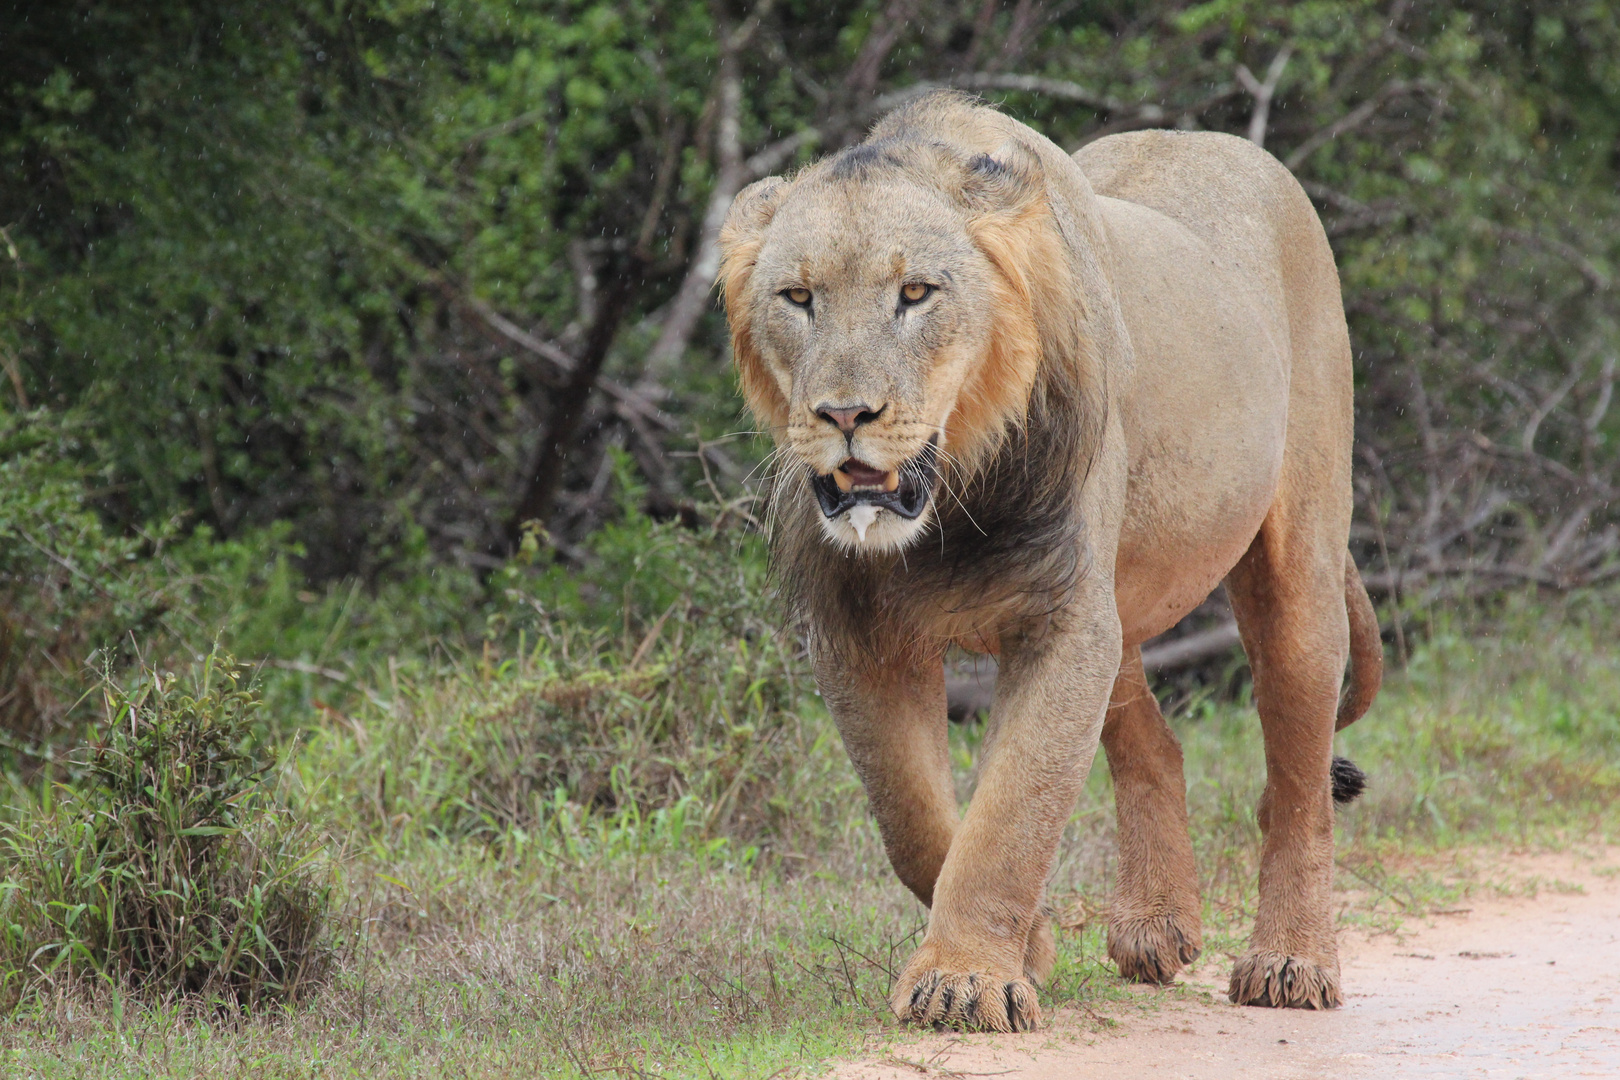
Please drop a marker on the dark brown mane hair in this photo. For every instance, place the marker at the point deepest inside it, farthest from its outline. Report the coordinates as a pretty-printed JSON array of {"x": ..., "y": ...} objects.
[{"x": 1006, "y": 540}]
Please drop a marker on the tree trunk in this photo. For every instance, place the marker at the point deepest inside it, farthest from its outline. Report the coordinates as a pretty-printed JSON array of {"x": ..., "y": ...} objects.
[{"x": 569, "y": 406}]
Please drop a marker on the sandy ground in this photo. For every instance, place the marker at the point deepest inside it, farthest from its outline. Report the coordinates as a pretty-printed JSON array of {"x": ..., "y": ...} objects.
[{"x": 1513, "y": 988}]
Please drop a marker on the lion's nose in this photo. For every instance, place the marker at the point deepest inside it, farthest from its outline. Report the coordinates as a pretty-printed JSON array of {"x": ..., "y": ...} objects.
[{"x": 847, "y": 418}]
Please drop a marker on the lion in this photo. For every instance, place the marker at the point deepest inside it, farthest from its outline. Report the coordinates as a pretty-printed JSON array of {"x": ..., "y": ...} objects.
[{"x": 1040, "y": 406}]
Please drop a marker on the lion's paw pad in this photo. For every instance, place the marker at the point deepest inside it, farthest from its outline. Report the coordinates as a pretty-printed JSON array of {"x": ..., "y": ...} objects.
[
  {"x": 974, "y": 1002},
  {"x": 1284, "y": 982}
]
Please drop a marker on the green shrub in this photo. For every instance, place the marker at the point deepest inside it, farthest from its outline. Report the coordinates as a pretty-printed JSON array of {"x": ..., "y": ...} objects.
[
  {"x": 67, "y": 585},
  {"x": 168, "y": 867},
  {"x": 655, "y": 674}
]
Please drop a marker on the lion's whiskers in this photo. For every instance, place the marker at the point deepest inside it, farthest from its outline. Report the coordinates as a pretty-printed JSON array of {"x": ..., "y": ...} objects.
[
  {"x": 765, "y": 463},
  {"x": 945, "y": 483}
]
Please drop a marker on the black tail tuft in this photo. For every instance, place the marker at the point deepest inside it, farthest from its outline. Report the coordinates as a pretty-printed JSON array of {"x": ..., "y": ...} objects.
[{"x": 1348, "y": 780}]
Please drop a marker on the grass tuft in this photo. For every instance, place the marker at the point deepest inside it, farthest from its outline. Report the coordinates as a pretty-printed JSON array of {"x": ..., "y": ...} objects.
[{"x": 168, "y": 868}]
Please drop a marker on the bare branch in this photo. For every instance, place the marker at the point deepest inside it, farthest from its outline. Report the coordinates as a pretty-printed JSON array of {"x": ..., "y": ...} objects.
[
  {"x": 687, "y": 307},
  {"x": 1553, "y": 555},
  {"x": 1062, "y": 89},
  {"x": 632, "y": 400},
  {"x": 1025, "y": 19},
  {"x": 770, "y": 158},
  {"x": 1545, "y": 408},
  {"x": 1351, "y": 120},
  {"x": 880, "y": 42},
  {"x": 1262, "y": 93},
  {"x": 14, "y": 373},
  {"x": 1605, "y": 394},
  {"x": 544, "y": 476},
  {"x": 514, "y": 333},
  {"x": 981, "y": 28},
  {"x": 506, "y": 127},
  {"x": 731, "y": 175},
  {"x": 1597, "y": 279}
]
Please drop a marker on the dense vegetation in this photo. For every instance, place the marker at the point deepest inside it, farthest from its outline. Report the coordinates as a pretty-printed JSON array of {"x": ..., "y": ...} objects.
[
  {"x": 372, "y": 282},
  {"x": 371, "y": 342}
]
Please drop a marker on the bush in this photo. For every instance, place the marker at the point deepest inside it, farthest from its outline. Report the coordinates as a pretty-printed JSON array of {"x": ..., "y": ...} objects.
[
  {"x": 654, "y": 675},
  {"x": 67, "y": 585},
  {"x": 168, "y": 868}
]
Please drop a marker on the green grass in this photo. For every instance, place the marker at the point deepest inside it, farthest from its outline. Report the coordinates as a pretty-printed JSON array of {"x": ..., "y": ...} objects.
[
  {"x": 165, "y": 866},
  {"x": 566, "y": 864}
]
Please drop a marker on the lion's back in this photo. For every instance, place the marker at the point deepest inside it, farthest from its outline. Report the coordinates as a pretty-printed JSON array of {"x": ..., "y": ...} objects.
[{"x": 1240, "y": 201}]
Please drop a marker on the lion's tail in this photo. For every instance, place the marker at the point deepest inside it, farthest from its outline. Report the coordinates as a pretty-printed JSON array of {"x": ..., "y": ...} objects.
[{"x": 1366, "y": 650}]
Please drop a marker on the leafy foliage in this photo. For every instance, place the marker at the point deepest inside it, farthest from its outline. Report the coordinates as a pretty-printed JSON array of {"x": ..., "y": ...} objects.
[
  {"x": 67, "y": 583},
  {"x": 301, "y": 304},
  {"x": 315, "y": 263}
]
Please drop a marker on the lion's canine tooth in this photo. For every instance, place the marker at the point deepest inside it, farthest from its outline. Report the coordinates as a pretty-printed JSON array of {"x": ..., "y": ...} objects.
[
  {"x": 841, "y": 478},
  {"x": 861, "y": 516},
  {"x": 891, "y": 481}
]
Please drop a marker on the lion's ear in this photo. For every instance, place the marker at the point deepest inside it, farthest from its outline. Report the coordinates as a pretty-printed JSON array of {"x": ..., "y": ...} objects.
[
  {"x": 1008, "y": 179},
  {"x": 751, "y": 211},
  {"x": 740, "y": 239},
  {"x": 1031, "y": 296}
]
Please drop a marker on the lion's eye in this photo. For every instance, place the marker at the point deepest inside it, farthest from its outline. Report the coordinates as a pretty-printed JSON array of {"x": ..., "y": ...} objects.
[
  {"x": 798, "y": 296},
  {"x": 915, "y": 293}
]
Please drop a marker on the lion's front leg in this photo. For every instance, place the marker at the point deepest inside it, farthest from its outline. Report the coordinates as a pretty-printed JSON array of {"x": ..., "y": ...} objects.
[
  {"x": 972, "y": 969},
  {"x": 894, "y": 727},
  {"x": 892, "y": 720}
]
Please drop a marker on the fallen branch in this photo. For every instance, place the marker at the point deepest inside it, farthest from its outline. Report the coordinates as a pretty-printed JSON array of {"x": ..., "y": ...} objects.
[
  {"x": 1191, "y": 650},
  {"x": 970, "y": 688}
]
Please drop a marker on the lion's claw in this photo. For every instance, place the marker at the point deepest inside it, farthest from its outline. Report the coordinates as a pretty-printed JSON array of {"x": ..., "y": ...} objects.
[
  {"x": 972, "y": 1002},
  {"x": 1284, "y": 982}
]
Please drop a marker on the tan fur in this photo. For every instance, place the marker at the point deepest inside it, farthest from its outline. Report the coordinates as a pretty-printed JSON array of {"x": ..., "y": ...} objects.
[
  {"x": 1031, "y": 278},
  {"x": 1136, "y": 368},
  {"x": 1153, "y": 924}
]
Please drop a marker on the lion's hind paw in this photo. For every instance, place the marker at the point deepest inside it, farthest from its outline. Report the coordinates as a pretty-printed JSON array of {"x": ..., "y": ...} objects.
[
  {"x": 1283, "y": 982},
  {"x": 1152, "y": 950},
  {"x": 975, "y": 1002}
]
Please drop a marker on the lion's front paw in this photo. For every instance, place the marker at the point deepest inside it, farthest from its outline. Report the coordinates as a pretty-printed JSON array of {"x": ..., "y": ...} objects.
[
  {"x": 967, "y": 1002},
  {"x": 1155, "y": 948},
  {"x": 1284, "y": 982}
]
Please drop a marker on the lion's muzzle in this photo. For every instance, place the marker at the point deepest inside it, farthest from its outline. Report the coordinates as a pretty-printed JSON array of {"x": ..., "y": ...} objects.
[{"x": 905, "y": 491}]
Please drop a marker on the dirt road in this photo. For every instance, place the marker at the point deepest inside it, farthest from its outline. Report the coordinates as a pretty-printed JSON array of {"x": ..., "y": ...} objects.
[{"x": 1513, "y": 988}]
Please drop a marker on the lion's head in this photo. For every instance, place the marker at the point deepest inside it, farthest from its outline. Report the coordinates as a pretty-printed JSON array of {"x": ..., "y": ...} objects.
[{"x": 890, "y": 308}]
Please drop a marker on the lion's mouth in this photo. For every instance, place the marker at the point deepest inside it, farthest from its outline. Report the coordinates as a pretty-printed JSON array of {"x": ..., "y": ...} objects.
[{"x": 905, "y": 490}]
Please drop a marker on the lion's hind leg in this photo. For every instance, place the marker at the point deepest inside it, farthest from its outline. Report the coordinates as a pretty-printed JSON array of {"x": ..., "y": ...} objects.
[
  {"x": 1288, "y": 595},
  {"x": 1154, "y": 928}
]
